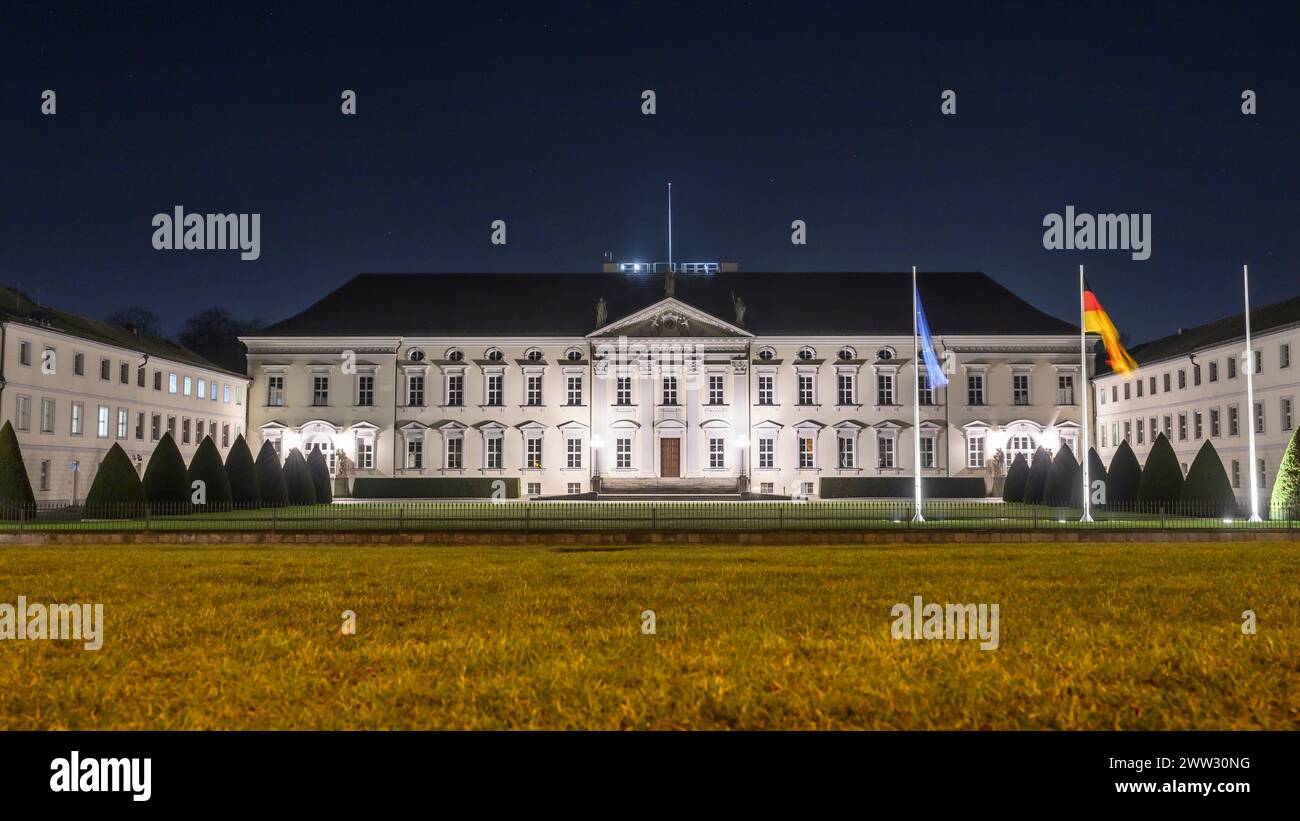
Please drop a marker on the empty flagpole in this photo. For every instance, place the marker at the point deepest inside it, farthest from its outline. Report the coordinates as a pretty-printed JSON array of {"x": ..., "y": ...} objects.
[
  {"x": 916, "y": 398},
  {"x": 1083, "y": 393},
  {"x": 670, "y": 226},
  {"x": 1250, "y": 403}
]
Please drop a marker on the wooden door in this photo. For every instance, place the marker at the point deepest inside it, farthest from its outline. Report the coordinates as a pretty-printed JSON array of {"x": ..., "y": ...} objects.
[{"x": 670, "y": 457}]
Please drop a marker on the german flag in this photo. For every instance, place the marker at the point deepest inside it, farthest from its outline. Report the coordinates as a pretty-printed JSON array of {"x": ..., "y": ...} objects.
[{"x": 1096, "y": 321}]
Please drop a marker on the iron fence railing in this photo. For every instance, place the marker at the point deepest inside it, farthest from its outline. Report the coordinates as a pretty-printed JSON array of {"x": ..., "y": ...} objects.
[{"x": 555, "y": 516}]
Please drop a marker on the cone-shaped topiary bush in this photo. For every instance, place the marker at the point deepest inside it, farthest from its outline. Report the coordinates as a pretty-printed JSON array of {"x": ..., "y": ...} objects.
[
  {"x": 1162, "y": 477},
  {"x": 1036, "y": 484},
  {"x": 241, "y": 470},
  {"x": 297, "y": 478},
  {"x": 1285, "y": 501},
  {"x": 116, "y": 492},
  {"x": 1207, "y": 491},
  {"x": 206, "y": 467},
  {"x": 16, "y": 497},
  {"x": 320, "y": 477},
  {"x": 166, "y": 481},
  {"x": 1013, "y": 489},
  {"x": 271, "y": 488},
  {"x": 1123, "y": 477},
  {"x": 1064, "y": 479}
]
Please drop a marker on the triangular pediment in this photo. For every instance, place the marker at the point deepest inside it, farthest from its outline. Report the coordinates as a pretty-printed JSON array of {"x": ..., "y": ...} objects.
[{"x": 671, "y": 318}]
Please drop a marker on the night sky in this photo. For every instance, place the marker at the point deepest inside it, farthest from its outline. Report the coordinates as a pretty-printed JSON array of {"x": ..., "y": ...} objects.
[{"x": 766, "y": 113}]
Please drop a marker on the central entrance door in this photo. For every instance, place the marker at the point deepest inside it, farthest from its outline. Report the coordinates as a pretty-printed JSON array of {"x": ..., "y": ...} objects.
[{"x": 670, "y": 457}]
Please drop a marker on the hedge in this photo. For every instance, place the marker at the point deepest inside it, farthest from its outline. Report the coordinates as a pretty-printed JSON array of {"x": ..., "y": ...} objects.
[
  {"x": 271, "y": 488},
  {"x": 1013, "y": 489},
  {"x": 902, "y": 487},
  {"x": 297, "y": 479},
  {"x": 1285, "y": 500},
  {"x": 1036, "y": 484},
  {"x": 1162, "y": 477},
  {"x": 16, "y": 496},
  {"x": 1096, "y": 468},
  {"x": 433, "y": 488},
  {"x": 241, "y": 471},
  {"x": 1123, "y": 476},
  {"x": 116, "y": 492},
  {"x": 320, "y": 476},
  {"x": 1208, "y": 490},
  {"x": 206, "y": 467},
  {"x": 1064, "y": 479},
  {"x": 166, "y": 480}
]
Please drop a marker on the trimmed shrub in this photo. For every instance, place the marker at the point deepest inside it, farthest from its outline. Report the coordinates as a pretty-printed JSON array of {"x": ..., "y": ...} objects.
[
  {"x": 1207, "y": 491},
  {"x": 1013, "y": 489},
  {"x": 1162, "y": 477},
  {"x": 1285, "y": 500},
  {"x": 901, "y": 487},
  {"x": 297, "y": 479},
  {"x": 116, "y": 492},
  {"x": 241, "y": 470},
  {"x": 271, "y": 488},
  {"x": 206, "y": 467},
  {"x": 1064, "y": 479},
  {"x": 1123, "y": 477},
  {"x": 320, "y": 476},
  {"x": 1096, "y": 471},
  {"x": 1036, "y": 484},
  {"x": 432, "y": 488},
  {"x": 166, "y": 481},
  {"x": 16, "y": 496}
]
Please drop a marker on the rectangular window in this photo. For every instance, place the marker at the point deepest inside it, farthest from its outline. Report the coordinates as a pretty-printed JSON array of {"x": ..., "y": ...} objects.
[
  {"x": 923, "y": 391},
  {"x": 885, "y": 451},
  {"x": 123, "y": 419},
  {"x": 1259, "y": 361},
  {"x": 78, "y": 417},
  {"x": 1169, "y": 426},
  {"x": 45, "y": 476},
  {"x": 623, "y": 391},
  {"x": 105, "y": 368},
  {"x": 534, "y": 488},
  {"x": 716, "y": 396},
  {"x": 1103, "y": 433},
  {"x": 1065, "y": 389},
  {"x": 495, "y": 451},
  {"x": 79, "y": 364},
  {"x": 1128, "y": 391},
  {"x": 1263, "y": 474},
  {"x": 1214, "y": 371},
  {"x": 974, "y": 389},
  {"x": 47, "y": 416},
  {"x": 927, "y": 451},
  {"x": 975, "y": 452},
  {"x": 1288, "y": 421},
  {"x": 1214, "y": 423},
  {"x": 415, "y": 454},
  {"x": 573, "y": 390},
  {"x": 1167, "y": 382},
  {"x": 415, "y": 390},
  {"x": 534, "y": 389},
  {"x": 365, "y": 390},
  {"x": 157, "y": 380},
  {"x": 884, "y": 389},
  {"x": 24, "y": 353},
  {"x": 189, "y": 386},
  {"x": 155, "y": 427},
  {"x": 185, "y": 430},
  {"x": 101, "y": 429},
  {"x": 1197, "y": 426},
  {"x": 1259, "y": 417},
  {"x": 365, "y": 453},
  {"x": 171, "y": 426},
  {"x": 1020, "y": 389},
  {"x": 623, "y": 453},
  {"x": 496, "y": 394},
  {"x": 766, "y": 390},
  {"x": 766, "y": 452},
  {"x": 574, "y": 488},
  {"x": 767, "y": 487},
  {"x": 1139, "y": 387},
  {"x": 845, "y": 452},
  {"x": 1236, "y": 473},
  {"x": 1182, "y": 427},
  {"x": 670, "y": 390},
  {"x": 806, "y": 459},
  {"x": 844, "y": 389},
  {"x": 455, "y": 390},
  {"x": 1141, "y": 430},
  {"x": 320, "y": 391},
  {"x": 1196, "y": 375},
  {"x": 1284, "y": 355},
  {"x": 225, "y": 435},
  {"x": 172, "y": 382},
  {"x": 1153, "y": 386},
  {"x": 533, "y": 452},
  {"x": 1128, "y": 430},
  {"x": 275, "y": 391},
  {"x": 225, "y": 394},
  {"x": 806, "y": 394},
  {"x": 1232, "y": 367},
  {"x": 203, "y": 388},
  {"x": 1114, "y": 433},
  {"x": 717, "y": 453},
  {"x": 455, "y": 453},
  {"x": 1234, "y": 421},
  {"x": 1182, "y": 379},
  {"x": 573, "y": 453},
  {"x": 139, "y": 376}
]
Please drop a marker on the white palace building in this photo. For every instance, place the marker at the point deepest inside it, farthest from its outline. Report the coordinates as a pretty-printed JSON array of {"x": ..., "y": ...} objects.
[{"x": 690, "y": 375}]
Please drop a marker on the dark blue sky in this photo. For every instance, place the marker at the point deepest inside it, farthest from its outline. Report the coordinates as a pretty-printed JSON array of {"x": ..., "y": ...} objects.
[{"x": 767, "y": 113}]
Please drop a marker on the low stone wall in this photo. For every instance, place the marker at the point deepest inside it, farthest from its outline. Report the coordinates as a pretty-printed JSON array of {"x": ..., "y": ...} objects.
[{"x": 777, "y": 537}]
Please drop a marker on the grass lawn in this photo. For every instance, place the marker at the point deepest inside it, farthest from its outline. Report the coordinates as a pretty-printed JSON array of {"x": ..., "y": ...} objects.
[{"x": 1093, "y": 636}]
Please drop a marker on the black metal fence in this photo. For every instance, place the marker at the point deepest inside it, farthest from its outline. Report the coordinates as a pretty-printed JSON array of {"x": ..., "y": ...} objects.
[{"x": 557, "y": 516}]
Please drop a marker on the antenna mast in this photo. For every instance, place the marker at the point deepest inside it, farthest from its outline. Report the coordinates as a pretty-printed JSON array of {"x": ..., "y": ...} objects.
[{"x": 670, "y": 226}]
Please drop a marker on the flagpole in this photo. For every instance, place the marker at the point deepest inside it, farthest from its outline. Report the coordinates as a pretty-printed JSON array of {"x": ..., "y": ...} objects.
[
  {"x": 1083, "y": 385},
  {"x": 916, "y": 400},
  {"x": 1250, "y": 403}
]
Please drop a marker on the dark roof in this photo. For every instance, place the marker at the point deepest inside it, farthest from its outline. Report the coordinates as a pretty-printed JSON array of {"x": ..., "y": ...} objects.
[
  {"x": 461, "y": 304},
  {"x": 1269, "y": 317},
  {"x": 15, "y": 306}
]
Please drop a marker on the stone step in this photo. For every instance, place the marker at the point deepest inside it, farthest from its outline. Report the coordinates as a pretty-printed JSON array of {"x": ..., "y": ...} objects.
[{"x": 668, "y": 487}]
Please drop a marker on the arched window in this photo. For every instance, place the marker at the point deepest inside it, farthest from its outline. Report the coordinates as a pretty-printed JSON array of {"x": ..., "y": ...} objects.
[
  {"x": 534, "y": 355},
  {"x": 885, "y": 353},
  {"x": 494, "y": 355},
  {"x": 415, "y": 355},
  {"x": 847, "y": 353},
  {"x": 574, "y": 355},
  {"x": 455, "y": 355},
  {"x": 807, "y": 353},
  {"x": 766, "y": 354}
]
